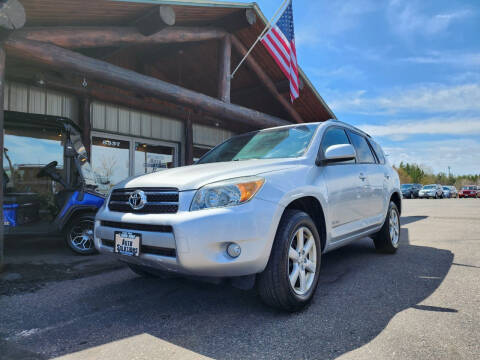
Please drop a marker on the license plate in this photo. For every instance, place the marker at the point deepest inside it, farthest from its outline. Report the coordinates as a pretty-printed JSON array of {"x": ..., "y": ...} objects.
[{"x": 127, "y": 243}]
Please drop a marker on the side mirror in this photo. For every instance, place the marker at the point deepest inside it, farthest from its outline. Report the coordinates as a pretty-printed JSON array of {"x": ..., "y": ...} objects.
[{"x": 339, "y": 153}]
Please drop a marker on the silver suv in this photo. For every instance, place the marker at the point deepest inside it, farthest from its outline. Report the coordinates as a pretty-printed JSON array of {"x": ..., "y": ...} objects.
[{"x": 263, "y": 206}]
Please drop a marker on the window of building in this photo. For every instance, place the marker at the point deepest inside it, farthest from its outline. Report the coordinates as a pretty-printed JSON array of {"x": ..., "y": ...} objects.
[
  {"x": 151, "y": 158},
  {"x": 110, "y": 159}
]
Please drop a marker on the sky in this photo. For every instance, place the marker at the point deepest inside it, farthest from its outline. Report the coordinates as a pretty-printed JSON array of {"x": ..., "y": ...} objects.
[{"x": 405, "y": 71}]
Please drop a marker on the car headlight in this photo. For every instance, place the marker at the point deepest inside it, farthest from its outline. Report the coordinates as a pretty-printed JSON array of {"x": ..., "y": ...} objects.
[{"x": 227, "y": 193}]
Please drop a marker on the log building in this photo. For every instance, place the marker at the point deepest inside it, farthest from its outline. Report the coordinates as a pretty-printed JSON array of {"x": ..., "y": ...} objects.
[{"x": 145, "y": 76}]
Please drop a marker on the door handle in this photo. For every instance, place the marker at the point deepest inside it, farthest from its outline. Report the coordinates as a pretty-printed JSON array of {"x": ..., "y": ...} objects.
[{"x": 362, "y": 177}]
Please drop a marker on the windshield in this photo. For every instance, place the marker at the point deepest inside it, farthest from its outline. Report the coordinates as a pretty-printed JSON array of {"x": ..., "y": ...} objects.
[
  {"x": 446, "y": 188},
  {"x": 406, "y": 186},
  {"x": 469, "y": 188},
  {"x": 429, "y": 187},
  {"x": 267, "y": 144}
]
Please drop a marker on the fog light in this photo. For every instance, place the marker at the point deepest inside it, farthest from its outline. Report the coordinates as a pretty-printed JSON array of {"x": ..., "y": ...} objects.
[{"x": 234, "y": 250}]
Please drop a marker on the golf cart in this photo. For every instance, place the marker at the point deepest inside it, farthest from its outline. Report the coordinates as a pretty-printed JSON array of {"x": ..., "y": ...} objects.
[{"x": 49, "y": 185}]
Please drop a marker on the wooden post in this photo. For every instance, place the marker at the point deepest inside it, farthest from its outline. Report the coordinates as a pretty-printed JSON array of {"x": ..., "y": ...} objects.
[
  {"x": 86, "y": 125},
  {"x": 265, "y": 79},
  {"x": 55, "y": 57},
  {"x": 2, "y": 88},
  {"x": 188, "y": 140},
  {"x": 224, "y": 65}
]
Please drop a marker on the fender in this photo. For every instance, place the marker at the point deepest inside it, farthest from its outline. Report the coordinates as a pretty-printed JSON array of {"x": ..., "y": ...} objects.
[{"x": 89, "y": 202}]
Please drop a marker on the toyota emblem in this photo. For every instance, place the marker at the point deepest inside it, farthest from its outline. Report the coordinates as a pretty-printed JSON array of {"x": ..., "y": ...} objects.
[{"x": 137, "y": 200}]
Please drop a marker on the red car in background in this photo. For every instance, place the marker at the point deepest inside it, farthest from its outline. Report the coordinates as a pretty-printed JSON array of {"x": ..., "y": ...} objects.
[{"x": 470, "y": 191}]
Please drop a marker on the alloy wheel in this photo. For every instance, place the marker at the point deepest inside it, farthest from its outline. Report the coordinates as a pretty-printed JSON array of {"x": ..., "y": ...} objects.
[
  {"x": 81, "y": 235},
  {"x": 302, "y": 260},
  {"x": 394, "y": 227}
]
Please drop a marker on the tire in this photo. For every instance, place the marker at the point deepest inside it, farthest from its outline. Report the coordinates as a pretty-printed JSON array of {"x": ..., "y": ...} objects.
[
  {"x": 436, "y": 196},
  {"x": 78, "y": 234},
  {"x": 383, "y": 240},
  {"x": 273, "y": 284}
]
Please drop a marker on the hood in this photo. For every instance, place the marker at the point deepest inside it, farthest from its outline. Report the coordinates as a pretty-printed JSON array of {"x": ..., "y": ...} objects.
[{"x": 195, "y": 176}]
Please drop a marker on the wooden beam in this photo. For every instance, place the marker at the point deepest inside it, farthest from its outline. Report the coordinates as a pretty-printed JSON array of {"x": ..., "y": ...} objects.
[
  {"x": 2, "y": 89},
  {"x": 238, "y": 20},
  {"x": 52, "y": 56},
  {"x": 12, "y": 15},
  {"x": 86, "y": 124},
  {"x": 265, "y": 79},
  {"x": 155, "y": 20},
  {"x": 92, "y": 37},
  {"x": 224, "y": 66},
  {"x": 188, "y": 141}
]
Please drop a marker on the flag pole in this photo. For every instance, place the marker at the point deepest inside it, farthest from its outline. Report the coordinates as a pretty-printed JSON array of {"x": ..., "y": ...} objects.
[{"x": 259, "y": 38}]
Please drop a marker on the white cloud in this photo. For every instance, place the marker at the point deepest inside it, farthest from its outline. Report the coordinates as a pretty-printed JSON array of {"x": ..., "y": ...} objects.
[
  {"x": 446, "y": 58},
  {"x": 401, "y": 129},
  {"x": 407, "y": 19},
  {"x": 428, "y": 98},
  {"x": 460, "y": 154}
]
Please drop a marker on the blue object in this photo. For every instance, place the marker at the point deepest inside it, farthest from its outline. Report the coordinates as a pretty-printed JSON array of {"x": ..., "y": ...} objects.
[
  {"x": 10, "y": 215},
  {"x": 88, "y": 200}
]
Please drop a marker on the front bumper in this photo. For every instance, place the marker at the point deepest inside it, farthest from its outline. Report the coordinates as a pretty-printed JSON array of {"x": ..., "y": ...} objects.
[{"x": 194, "y": 243}]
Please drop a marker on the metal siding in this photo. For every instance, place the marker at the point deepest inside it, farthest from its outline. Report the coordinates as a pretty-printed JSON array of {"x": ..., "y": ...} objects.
[
  {"x": 146, "y": 128},
  {"x": 135, "y": 123},
  {"x": 123, "y": 121},
  {"x": 107, "y": 117},
  {"x": 111, "y": 118},
  {"x": 36, "y": 101},
  {"x": 54, "y": 104},
  {"x": 6, "y": 92},
  {"x": 209, "y": 135},
  {"x": 18, "y": 97},
  {"x": 98, "y": 116}
]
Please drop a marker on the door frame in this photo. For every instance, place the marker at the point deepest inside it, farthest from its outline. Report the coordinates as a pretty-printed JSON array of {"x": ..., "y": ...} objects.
[{"x": 132, "y": 140}]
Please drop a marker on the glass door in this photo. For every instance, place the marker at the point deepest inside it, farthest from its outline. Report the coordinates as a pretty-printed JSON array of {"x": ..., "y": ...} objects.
[
  {"x": 110, "y": 160},
  {"x": 151, "y": 157}
]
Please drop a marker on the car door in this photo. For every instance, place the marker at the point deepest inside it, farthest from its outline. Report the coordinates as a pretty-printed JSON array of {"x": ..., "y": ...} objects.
[
  {"x": 373, "y": 177},
  {"x": 344, "y": 186}
]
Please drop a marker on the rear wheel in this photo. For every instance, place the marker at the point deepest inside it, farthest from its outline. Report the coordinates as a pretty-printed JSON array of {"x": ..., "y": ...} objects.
[
  {"x": 388, "y": 238},
  {"x": 291, "y": 276},
  {"x": 79, "y": 234}
]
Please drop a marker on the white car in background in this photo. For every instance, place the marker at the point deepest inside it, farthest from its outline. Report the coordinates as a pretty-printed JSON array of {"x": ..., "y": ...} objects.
[{"x": 263, "y": 206}]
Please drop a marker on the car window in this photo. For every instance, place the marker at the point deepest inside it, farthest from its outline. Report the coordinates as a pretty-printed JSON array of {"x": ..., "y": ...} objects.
[
  {"x": 378, "y": 151},
  {"x": 335, "y": 136},
  {"x": 364, "y": 154}
]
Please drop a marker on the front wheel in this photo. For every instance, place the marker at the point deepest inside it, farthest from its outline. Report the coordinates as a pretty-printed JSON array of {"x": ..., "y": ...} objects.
[
  {"x": 388, "y": 238},
  {"x": 291, "y": 276},
  {"x": 79, "y": 234}
]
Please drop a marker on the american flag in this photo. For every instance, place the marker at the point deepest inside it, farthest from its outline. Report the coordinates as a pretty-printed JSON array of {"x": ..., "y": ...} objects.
[{"x": 280, "y": 43}]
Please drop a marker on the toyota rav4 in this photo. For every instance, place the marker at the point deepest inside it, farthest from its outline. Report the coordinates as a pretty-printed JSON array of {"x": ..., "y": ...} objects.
[{"x": 263, "y": 206}]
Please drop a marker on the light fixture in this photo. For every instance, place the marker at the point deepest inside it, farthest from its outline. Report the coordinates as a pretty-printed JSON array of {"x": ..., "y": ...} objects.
[{"x": 84, "y": 82}]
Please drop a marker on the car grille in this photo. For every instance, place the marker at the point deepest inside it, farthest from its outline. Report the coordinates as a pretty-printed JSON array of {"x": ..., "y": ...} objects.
[{"x": 159, "y": 201}]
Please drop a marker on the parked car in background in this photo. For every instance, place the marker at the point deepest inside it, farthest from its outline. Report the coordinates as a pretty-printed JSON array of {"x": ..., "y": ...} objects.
[
  {"x": 261, "y": 208},
  {"x": 470, "y": 191},
  {"x": 449, "y": 192},
  {"x": 410, "y": 191},
  {"x": 432, "y": 191}
]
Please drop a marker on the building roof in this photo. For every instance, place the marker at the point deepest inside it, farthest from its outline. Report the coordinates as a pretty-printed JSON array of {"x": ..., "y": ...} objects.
[{"x": 310, "y": 105}]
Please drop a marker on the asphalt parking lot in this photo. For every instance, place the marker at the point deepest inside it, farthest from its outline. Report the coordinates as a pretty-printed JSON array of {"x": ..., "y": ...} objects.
[{"x": 422, "y": 303}]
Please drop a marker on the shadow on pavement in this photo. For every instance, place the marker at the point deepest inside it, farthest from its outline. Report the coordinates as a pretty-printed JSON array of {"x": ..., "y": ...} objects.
[
  {"x": 405, "y": 220},
  {"x": 360, "y": 291}
]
